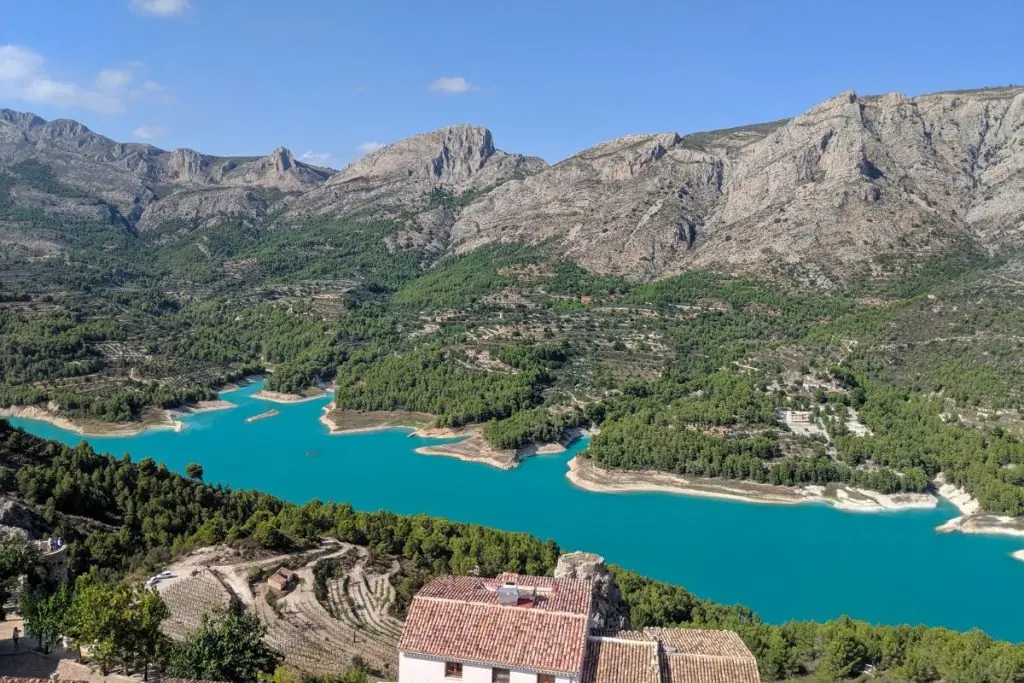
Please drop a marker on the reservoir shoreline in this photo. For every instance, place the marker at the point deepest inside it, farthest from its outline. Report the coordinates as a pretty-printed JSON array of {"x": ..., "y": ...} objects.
[
  {"x": 705, "y": 544},
  {"x": 584, "y": 474},
  {"x": 162, "y": 420}
]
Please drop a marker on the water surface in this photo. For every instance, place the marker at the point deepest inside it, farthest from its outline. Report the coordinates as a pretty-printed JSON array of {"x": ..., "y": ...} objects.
[{"x": 786, "y": 562}]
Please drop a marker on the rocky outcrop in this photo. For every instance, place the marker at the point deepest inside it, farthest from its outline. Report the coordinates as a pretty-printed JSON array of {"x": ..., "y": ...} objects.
[
  {"x": 204, "y": 209},
  {"x": 279, "y": 170},
  {"x": 630, "y": 206},
  {"x": 188, "y": 166},
  {"x": 453, "y": 157},
  {"x": 609, "y": 612},
  {"x": 18, "y": 518},
  {"x": 401, "y": 177}
]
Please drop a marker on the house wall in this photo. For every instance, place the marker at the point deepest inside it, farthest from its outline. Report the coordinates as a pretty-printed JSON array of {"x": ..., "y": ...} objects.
[{"x": 413, "y": 669}]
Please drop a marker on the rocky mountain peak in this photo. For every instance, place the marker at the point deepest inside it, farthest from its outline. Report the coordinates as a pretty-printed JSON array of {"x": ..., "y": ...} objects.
[
  {"x": 186, "y": 165},
  {"x": 23, "y": 120},
  {"x": 447, "y": 157},
  {"x": 63, "y": 128},
  {"x": 282, "y": 159},
  {"x": 278, "y": 170}
]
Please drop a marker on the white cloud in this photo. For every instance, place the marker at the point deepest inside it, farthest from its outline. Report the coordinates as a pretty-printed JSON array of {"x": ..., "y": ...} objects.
[
  {"x": 316, "y": 158},
  {"x": 23, "y": 77},
  {"x": 153, "y": 91},
  {"x": 451, "y": 85},
  {"x": 149, "y": 132},
  {"x": 114, "y": 79},
  {"x": 370, "y": 147},
  {"x": 18, "y": 63},
  {"x": 161, "y": 8}
]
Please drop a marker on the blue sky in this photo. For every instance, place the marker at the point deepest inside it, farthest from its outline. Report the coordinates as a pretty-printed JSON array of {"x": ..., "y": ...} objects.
[{"x": 332, "y": 78}]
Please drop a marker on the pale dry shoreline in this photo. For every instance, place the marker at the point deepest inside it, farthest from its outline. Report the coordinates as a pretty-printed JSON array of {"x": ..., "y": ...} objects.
[
  {"x": 110, "y": 429},
  {"x": 280, "y": 397},
  {"x": 91, "y": 427},
  {"x": 472, "y": 447},
  {"x": 972, "y": 520},
  {"x": 380, "y": 421},
  {"x": 585, "y": 475},
  {"x": 582, "y": 473}
]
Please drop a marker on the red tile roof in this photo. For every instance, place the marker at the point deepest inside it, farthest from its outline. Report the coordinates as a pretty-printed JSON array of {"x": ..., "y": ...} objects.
[
  {"x": 459, "y": 618},
  {"x": 707, "y": 669},
  {"x": 611, "y": 660},
  {"x": 685, "y": 656},
  {"x": 694, "y": 641}
]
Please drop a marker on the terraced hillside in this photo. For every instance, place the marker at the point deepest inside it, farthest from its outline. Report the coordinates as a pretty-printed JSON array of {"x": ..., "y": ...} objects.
[{"x": 317, "y": 637}]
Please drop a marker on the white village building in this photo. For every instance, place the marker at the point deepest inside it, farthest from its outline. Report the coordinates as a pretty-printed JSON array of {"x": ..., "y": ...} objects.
[{"x": 528, "y": 629}]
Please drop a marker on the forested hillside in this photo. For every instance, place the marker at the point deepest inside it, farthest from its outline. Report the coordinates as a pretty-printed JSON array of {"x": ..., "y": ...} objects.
[
  {"x": 903, "y": 378},
  {"x": 125, "y": 518},
  {"x": 785, "y": 366}
]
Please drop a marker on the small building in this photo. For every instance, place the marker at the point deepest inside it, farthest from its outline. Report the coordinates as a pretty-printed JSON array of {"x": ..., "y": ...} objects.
[
  {"x": 527, "y": 629},
  {"x": 283, "y": 580}
]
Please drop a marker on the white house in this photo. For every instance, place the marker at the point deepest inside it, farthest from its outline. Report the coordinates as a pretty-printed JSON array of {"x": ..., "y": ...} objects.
[{"x": 528, "y": 629}]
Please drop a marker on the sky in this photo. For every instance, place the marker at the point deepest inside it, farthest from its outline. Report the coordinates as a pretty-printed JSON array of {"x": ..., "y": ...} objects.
[{"x": 334, "y": 79}]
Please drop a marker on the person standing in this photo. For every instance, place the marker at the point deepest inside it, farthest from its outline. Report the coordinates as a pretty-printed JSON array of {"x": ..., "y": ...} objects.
[{"x": 14, "y": 636}]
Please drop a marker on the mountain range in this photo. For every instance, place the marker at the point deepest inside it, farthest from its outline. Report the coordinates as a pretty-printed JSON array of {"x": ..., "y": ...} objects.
[{"x": 836, "y": 192}]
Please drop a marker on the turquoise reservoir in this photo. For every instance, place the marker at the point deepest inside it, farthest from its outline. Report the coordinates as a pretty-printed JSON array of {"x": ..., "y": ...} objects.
[{"x": 784, "y": 561}]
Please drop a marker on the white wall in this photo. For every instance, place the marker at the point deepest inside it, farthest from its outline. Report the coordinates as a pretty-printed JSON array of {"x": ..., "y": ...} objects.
[
  {"x": 476, "y": 674},
  {"x": 413, "y": 669}
]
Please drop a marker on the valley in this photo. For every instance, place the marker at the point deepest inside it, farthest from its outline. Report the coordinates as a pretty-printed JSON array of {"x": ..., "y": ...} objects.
[{"x": 827, "y": 308}]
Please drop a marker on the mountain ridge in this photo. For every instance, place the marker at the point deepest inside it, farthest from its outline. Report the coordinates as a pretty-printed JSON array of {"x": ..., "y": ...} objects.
[{"x": 820, "y": 197}]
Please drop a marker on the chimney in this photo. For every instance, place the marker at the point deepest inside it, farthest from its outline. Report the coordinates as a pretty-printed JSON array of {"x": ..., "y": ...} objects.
[{"x": 508, "y": 594}]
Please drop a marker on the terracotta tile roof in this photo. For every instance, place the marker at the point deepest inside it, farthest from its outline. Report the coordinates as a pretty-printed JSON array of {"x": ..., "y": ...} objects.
[
  {"x": 569, "y": 596},
  {"x": 572, "y": 596},
  {"x": 697, "y": 641},
  {"x": 689, "y": 656},
  {"x": 686, "y": 668},
  {"x": 459, "y": 618},
  {"x": 610, "y": 660}
]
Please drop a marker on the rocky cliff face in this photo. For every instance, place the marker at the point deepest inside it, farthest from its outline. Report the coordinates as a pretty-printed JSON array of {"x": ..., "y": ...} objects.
[
  {"x": 833, "y": 192},
  {"x": 827, "y": 192}
]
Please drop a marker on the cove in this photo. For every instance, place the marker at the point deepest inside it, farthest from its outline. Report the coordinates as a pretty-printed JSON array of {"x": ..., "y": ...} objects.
[{"x": 785, "y": 562}]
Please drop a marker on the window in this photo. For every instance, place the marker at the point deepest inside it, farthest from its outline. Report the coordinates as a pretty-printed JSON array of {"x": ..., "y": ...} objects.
[
  {"x": 499, "y": 675},
  {"x": 453, "y": 670},
  {"x": 545, "y": 678}
]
